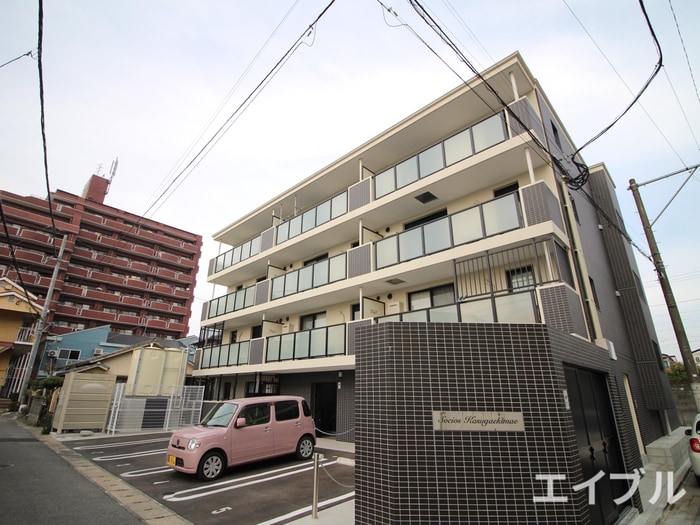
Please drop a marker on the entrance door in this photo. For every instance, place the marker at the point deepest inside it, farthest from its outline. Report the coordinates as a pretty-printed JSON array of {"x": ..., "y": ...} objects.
[
  {"x": 596, "y": 436},
  {"x": 324, "y": 402}
]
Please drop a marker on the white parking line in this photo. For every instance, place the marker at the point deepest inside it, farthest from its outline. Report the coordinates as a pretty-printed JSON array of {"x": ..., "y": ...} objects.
[
  {"x": 146, "y": 472},
  {"x": 122, "y": 444},
  {"x": 239, "y": 483},
  {"x": 306, "y": 510},
  {"x": 117, "y": 457}
]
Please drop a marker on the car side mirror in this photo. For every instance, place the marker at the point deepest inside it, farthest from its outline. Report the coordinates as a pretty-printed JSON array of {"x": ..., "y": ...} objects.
[
  {"x": 688, "y": 432},
  {"x": 240, "y": 422}
]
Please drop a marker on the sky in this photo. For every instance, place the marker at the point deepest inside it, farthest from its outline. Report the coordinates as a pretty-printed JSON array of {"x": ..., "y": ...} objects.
[{"x": 150, "y": 82}]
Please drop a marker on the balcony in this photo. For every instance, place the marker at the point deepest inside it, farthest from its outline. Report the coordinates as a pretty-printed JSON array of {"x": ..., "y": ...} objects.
[
  {"x": 25, "y": 335},
  {"x": 469, "y": 142},
  {"x": 464, "y": 227}
]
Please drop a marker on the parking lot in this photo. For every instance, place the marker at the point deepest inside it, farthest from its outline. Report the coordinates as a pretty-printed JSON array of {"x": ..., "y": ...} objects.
[{"x": 270, "y": 492}]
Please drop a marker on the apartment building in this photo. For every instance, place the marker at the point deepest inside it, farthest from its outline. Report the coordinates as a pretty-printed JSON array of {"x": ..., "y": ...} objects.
[
  {"x": 458, "y": 298},
  {"x": 134, "y": 274}
]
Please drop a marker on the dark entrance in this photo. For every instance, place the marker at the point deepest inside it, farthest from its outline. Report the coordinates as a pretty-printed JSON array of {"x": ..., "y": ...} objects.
[
  {"x": 324, "y": 403},
  {"x": 597, "y": 440}
]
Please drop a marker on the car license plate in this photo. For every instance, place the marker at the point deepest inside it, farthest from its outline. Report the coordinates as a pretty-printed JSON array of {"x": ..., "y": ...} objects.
[{"x": 171, "y": 460}]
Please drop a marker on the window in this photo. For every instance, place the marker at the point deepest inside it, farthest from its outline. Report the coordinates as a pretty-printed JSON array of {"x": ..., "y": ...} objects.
[
  {"x": 311, "y": 321},
  {"x": 505, "y": 190},
  {"x": 355, "y": 309},
  {"x": 69, "y": 354},
  {"x": 424, "y": 220},
  {"x": 438, "y": 296},
  {"x": 555, "y": 134},
  {"x": 321, "y": 257},
  {"x": 257, "y": 414},
  {"x": 595, "y": 294},
  {"x": 286, "y": 410},
  {"x": 520, "y": 278}
]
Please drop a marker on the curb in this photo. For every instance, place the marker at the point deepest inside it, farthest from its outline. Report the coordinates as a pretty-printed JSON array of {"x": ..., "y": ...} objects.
[{"x": 142, "y": 506}]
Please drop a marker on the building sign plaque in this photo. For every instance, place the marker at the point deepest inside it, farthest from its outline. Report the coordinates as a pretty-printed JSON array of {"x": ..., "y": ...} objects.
[{"x": 478, "y": 421}]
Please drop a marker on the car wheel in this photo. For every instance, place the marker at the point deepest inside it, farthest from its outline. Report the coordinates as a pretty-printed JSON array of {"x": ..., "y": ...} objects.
[
  {"x": 305, "y": 448},
  {"x": 211, "y": 466}
]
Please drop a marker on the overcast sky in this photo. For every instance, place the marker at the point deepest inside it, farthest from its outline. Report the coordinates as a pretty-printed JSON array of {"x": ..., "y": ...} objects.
[{"x": 141, "y": 79}]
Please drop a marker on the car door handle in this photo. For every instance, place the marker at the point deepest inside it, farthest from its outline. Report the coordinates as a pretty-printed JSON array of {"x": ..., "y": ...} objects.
[{"x": 266, "y": 429}]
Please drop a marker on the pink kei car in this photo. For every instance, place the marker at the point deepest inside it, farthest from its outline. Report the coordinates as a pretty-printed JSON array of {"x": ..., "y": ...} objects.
[{"x": 241, "y": 431}]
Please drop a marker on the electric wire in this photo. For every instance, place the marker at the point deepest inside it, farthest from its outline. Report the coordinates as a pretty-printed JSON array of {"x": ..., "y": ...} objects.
[
  {"x": 655, "y": 71},
  {"x": 40, "y": 47},
  {"x": 685, "y": 116},
  {"x": 624, "y": 83},
  {"x": 223, "y": 103},
  {"x": 206, "y": 148},
  {"x": 15, "y": 263},
  {"x": 27, "y": 54},
  {"x": 685, "y": 51}
]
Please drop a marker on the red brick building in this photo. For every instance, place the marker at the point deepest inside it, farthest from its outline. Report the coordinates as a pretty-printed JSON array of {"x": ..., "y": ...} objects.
[{"x": 133, "y": 273}]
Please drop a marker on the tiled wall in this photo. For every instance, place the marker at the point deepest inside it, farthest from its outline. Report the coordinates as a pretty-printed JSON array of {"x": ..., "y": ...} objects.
[{"x": 407, "y": 472}]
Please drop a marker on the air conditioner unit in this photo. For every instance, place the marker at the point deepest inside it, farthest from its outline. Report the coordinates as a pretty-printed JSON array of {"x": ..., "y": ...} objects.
[
  {"x": 98, "y": 351},
  {"x": 52, "y": 353}
]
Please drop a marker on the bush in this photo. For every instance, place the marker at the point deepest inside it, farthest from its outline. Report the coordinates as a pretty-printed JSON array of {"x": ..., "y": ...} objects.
[
  {"x": 51, "y": 382},
  {"x": 677, "y": 374}
]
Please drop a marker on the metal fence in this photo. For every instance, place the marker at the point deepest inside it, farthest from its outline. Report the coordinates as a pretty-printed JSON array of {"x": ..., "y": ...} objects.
[{"x": 131, "y": 413}]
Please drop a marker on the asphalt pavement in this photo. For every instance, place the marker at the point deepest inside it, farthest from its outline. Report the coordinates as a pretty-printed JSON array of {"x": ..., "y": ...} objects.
[{"x": 39, "y": 487}]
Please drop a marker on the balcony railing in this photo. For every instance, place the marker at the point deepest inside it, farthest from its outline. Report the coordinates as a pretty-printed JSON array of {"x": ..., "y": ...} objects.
[
  {"x": 516, "y": 307},
  {"x": 312, "y": 276},
  {"x": 226, "y": 355},
  {"x": 231, "y": 302},
  {"x": 468, "y": 142},
  {"x": 473, "y": 224},
  {"x": 306, "y": 344}
]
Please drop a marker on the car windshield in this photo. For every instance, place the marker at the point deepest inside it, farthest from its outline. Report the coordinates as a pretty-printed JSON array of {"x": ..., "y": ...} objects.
[{"x": 220, "y": 415}]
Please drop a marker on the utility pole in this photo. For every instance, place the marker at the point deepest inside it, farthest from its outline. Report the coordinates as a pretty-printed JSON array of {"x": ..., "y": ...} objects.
[
  {"x": 676, "y": 321},
  {"x": 40, "y": 325}
]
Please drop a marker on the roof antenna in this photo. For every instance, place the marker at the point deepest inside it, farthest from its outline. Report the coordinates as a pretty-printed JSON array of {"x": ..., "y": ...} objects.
[{"x": 112, "y": 172}]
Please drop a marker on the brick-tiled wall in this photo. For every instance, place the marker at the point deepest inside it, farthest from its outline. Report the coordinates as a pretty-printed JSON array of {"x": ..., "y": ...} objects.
[{"x": 408, "y": 473}]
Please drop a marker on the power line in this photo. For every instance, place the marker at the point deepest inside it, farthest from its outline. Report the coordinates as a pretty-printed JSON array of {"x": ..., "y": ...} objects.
[
  {"x": 204, "y": 150},
  {"x": 43, "y": 120},
  {"x": 685, "y": 51},
  {"x": 27, "y": 54}
]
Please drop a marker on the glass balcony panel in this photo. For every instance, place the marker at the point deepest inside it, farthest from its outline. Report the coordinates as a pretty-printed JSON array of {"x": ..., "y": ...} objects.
[
  {"x": 308, "y": 220},
  {"x": 243, "y": 352},
  {"x": 430, "y": 161},
  {"x": 220, "y": 262},
  {"x": 406, "y": 172},
  {"x": 410, "y": 244},
  {"x": 339, "y": 205},
  {"x": 488, "y": 132},
  {"x": 213, "y": 305},
  {"x": 336, "y": 340},
  {"x": 444, "y": 314},
  {"x": 215, "y": 351},
  {"x": 323, "y": 213},
  {"x": 286, "y": 347},
  {"x": 206, "y": 358},
  {"x": 320, "y": 273},
  {"x": 230, "y": 302},
  {"x": 337, "y": 268},
  {"x": 290, "y": 283},
  {"x": 301, "y": 344},
  {"x": 389, "y": 319},
  {"x": 305, "y": 278},
  {"x": 240, "y": 300},
  {"x": 420, "y": 316},
  {"x": 282, "y": 232},
  {"x": 437, "y": 235},
  {"x": 384, "y": 183},
  {"x": 318, "y": 343},
  {"x": 273, "y": 349},
  {"x": 466, "y": 226},
  {"x": 515, "y": 308},
  {"x": 224, "y": 353},
  {"x": 278, "y": 287},
  {"x": 476, "y": 311},
  {"x": 249, "y": 297},
  {"x": 255, "y": 246},
  {"x": 228, "y": 258},
  {"x": 458, "y": 147},
  {"x": 387, "y": 252},
  {"x": 501, "y": 215},
  {"x": 295, "y": 226},
  {"x": 236, "y": 255},
  {"x": 245, "y": 250}
]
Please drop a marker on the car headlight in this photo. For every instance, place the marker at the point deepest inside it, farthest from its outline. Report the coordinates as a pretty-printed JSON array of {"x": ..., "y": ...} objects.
[{"x": 193, "y": 444}]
